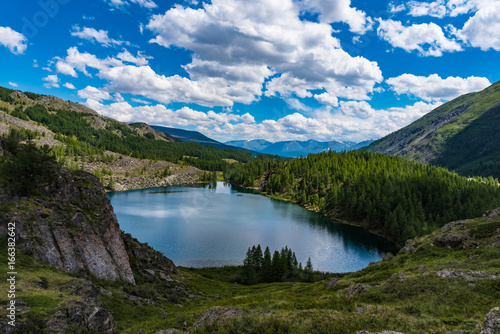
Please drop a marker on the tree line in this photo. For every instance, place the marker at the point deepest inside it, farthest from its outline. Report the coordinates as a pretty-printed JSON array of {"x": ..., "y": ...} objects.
[{"x": 261, "y": 267}]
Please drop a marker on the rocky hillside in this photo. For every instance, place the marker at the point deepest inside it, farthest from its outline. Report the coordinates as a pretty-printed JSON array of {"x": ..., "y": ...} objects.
[
  {"x": 461, "y": 135},
  {"x": 10, "y": 100},
  {"x": 66, "y": 238},
  {"x": 71, "y": 226},
  {"x": 119, "y": 172},
  {"x": 116, "y": 171}
]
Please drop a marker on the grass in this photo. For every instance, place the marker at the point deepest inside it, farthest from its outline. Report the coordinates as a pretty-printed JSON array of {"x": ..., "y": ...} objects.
[
  {"x": 402, "y": 294},
  {"x": 37, "y": 284}
]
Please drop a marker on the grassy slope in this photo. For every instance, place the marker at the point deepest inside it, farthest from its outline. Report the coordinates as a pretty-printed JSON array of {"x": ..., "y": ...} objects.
[
  {"x": 403, "y": 293},
  {"x": 459, "y": 144}
]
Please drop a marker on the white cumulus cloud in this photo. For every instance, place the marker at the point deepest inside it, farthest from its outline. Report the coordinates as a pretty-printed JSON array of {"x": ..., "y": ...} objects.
[
  {"x": 238, "y": 44},
  {"x": 339, "y": 11},
  {"x": 137, "y": 60},
  {"x": 14, "y": 41},
  {"x": 93, "y": 35},
  {"x": 426, "y": 38},
  {"x": 443, "y": 8},
  {"x": 65, "y": 68},
  {"x": 161, "y": 115},
  {"x": 94, "y": 93},
  {"x": 51, "y": 81},
  {"x": 435, "y": 88},
  {"x": 76, "y": 60},
  {"x": 483, "y": 29}
]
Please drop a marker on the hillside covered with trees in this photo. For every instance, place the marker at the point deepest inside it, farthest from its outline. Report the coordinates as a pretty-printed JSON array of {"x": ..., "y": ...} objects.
[
  {"x": 397, "y": 198},
  {"x": 85, "y": 133}
]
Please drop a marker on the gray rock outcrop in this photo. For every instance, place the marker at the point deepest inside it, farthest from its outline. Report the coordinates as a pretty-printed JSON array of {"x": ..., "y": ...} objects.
[
  {"x": 218, "y": 314},
  {"x": 72, "y": 227},
  {"x": 355, "y": 289},
  {"x": 492, "y": 322},
  {"x": 84, "y": 312}
]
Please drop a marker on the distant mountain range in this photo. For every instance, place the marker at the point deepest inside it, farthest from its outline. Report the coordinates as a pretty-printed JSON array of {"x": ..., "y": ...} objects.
[
  {"x": 197, "y": 137},
  {"x": 295, "y": 148},
  {"x": 462, "y": 135},
  {"x": 292, "y": 148}
]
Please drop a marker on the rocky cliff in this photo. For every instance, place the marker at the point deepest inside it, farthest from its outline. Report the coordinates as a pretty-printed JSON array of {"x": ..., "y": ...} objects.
[
  {"x": 67, "y": 221},
  {"x": 71, "y": 226}
]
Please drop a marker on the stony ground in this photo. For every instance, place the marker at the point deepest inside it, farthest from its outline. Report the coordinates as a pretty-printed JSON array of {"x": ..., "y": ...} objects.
[{"x": 126, "y": 173}]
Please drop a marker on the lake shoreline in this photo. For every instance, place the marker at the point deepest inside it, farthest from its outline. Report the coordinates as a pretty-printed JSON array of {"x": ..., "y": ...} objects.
[
  {"x": 218, "y": 222},
  {"x": 332, "y": 219}
]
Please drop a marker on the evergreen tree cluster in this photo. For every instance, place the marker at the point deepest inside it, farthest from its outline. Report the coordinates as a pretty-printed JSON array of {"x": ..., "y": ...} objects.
[
  {"x": 246, "y": 174},
  {"x": 282, "y": 266},
  {"x": 396, "y": 197},
  {"x": 5, "y": 94},
  {"x": 24, "y": 167}
]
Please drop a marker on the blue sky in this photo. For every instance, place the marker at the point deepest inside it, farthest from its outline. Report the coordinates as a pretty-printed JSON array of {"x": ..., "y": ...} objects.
[{"x": 272, "y": 69}]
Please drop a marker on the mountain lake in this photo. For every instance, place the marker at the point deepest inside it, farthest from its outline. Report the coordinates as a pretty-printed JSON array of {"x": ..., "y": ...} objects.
[{"x": 213, "y": 224}]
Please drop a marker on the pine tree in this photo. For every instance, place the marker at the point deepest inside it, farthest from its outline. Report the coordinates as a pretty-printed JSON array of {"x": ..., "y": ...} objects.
[
  {"x": 276, "y": 265},
  {"x": 267, "y": 266},
  {"x": 257, "y": 257},
  {"x": 308, "y": 271}
]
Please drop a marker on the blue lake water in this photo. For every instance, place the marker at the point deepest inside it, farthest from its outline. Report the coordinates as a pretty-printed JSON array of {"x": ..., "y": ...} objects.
[{"x": 214, "y": 224}]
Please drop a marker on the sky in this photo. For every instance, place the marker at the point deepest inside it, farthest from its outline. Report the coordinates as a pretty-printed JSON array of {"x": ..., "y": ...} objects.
[{"x": 345, "y": 70}]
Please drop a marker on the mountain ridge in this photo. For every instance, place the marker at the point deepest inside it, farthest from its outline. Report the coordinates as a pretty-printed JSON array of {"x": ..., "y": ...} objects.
[
  {"x": 461, "y": 135},
  {"x": 296, "y": 148},
  {"x": 196, "y": 137}
]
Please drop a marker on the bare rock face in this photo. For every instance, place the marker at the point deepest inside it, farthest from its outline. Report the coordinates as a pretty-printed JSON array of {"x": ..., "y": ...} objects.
[
  {"x": 147, "y": 259},
  {"x": 72, "y": 227},
  {"x": 492, "y": 322}
]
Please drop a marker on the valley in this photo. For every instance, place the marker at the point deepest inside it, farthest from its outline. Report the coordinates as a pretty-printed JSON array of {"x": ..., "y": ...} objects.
[
  {"x": 443, "y": 279},
  {"x": 250, "y": 167}
]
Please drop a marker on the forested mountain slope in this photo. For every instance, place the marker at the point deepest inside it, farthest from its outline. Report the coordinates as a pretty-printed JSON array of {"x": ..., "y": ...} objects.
[
  {"x": 462, "y": 135},
  {"x": 80, "y": 132},
  {"x": 397, "y": 198}
]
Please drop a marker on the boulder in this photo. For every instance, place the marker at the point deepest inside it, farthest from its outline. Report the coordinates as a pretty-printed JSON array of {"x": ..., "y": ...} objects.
[
  {"x": 492, "y": 322},
  {"x": 85, "y": 311},
  {"x": 219, "y": 314},
  {"x": 452, "y": 240},
  {"x": 355, "y": 289}
]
